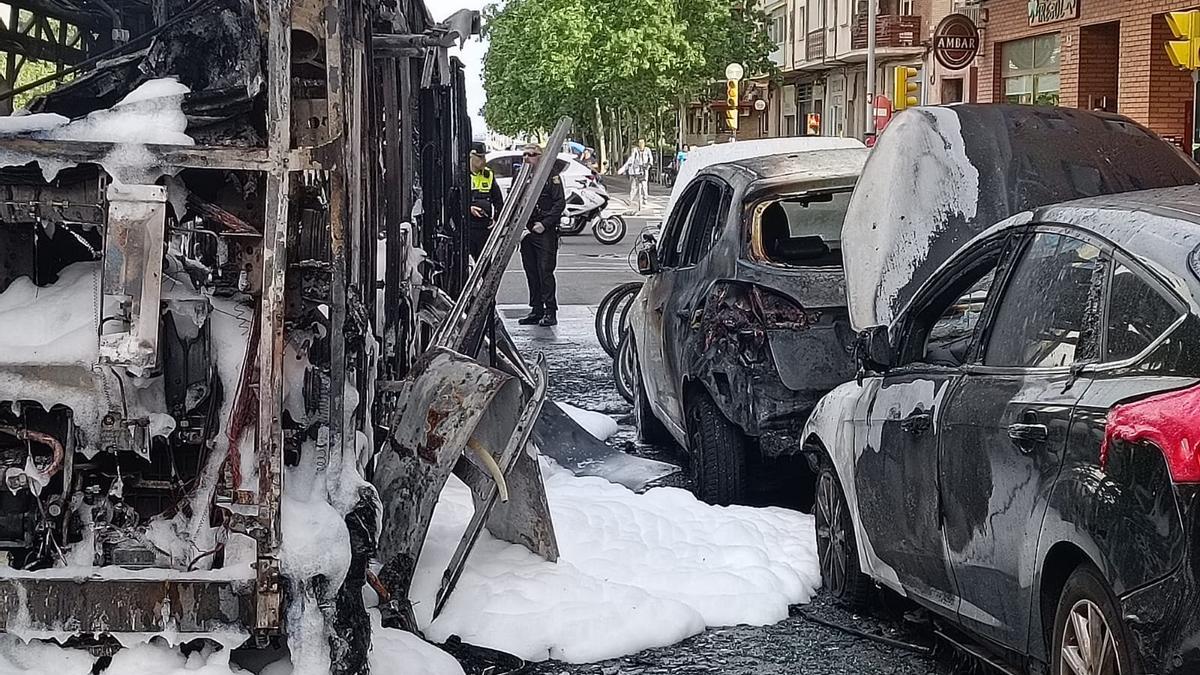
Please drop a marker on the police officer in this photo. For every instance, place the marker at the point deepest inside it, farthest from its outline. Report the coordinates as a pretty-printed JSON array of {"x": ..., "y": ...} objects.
[
  {"x": 539, "y": 247},
  {"x": 486, "y": 200}
]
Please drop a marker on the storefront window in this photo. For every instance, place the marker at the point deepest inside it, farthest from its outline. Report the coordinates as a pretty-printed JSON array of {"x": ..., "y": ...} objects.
[{"x": 1031, "y": 70}]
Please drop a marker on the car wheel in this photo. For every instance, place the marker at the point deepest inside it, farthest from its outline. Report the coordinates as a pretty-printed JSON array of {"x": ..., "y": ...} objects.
[
  {"x": 1089, "y": 636},
  {"x": 650, "y": 429},
  {"x": 718, "y": 453},
  {"x": 837, "y": 547}
]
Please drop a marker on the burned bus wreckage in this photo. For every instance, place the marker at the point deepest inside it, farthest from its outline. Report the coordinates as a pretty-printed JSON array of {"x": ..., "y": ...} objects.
[{"x": 233, "y": 370}]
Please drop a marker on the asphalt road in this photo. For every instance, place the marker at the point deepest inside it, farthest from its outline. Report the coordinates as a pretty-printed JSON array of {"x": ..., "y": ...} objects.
[
  {"x": 581, "y": 374},
  {"x": 588, "y": 269}
]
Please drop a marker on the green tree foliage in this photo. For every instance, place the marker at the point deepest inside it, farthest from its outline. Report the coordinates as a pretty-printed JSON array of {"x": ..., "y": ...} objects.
[
  {"x": 550, "y": 58},
  {"x": 31, "y": 71}
]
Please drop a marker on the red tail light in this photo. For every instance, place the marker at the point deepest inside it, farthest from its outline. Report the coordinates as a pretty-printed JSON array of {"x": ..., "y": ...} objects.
[{"x": 1170, "y": 421}]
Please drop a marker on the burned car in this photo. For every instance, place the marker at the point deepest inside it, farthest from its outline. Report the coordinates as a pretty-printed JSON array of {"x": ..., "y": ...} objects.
[
  {"x": 1017, "y": 455},
  {"x": 741, "y": 325}
]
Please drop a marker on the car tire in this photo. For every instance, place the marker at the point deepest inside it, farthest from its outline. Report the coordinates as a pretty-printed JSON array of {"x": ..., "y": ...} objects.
[
  {"x": 837, "y": 545},
  {"x": 1086, "y": 597},
  {"x": 650, "y": 430},
  {"x": 717, "y": 448}
]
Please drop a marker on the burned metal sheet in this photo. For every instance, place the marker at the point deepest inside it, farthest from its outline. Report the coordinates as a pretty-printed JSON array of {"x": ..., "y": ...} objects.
[
  {"x": 132, "y": 283},
  {"x": 525, "y": 519},
  {"x": 563, "y": 440},
  {"x": 92, "y": 605},
  {"x": 446, "y": 399}
]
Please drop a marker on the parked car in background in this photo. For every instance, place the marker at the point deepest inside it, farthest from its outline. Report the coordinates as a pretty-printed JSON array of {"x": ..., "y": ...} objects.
[
  {"x": 1019, "y": 452},
  {"x": 507, "y": 163},
  {"x": 741, "y": 325}
]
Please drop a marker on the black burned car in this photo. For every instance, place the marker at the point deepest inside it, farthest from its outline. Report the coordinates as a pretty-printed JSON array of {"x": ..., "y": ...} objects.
[
  {"x": 741, "y": 325},
  {"x": 1020, "y": 453}
]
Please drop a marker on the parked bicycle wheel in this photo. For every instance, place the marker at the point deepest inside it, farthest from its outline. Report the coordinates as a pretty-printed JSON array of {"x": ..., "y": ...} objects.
[
  {"x": 613, "y": 314},
  {"x": 624, "y": 370}
]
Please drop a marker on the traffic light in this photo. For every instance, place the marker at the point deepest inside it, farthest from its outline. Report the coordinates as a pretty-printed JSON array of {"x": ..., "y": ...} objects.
[
  {"x": 1184, "y": 52},
  {"x": 904, "y": 88},
  {"x": 731, "y": 100}
]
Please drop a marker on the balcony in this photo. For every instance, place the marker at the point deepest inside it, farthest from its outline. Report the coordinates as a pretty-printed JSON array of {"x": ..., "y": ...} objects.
[
  {"x": 814, "y": 46},
  {"x": 891, "y": 30}
]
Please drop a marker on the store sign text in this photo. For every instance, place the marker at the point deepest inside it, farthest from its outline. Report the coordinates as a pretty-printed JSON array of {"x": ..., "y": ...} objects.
[{"x": 1049, "y": 11}]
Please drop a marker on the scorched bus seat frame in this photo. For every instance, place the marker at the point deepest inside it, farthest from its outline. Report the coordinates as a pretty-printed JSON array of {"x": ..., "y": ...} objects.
[{"x": 278, "y": 209}]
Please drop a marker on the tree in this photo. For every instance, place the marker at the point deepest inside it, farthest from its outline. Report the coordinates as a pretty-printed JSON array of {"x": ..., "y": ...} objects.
[{"x": 590, "y": 58}]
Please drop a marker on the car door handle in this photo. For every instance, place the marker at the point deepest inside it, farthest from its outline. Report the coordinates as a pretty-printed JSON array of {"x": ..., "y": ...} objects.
[
  {"x": 917, "y": 423},
  {"x": 1026, "y": 436}
]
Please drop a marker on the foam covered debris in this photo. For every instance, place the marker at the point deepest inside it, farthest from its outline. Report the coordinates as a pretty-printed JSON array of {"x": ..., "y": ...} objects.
[{"x": 635, "y": 572}]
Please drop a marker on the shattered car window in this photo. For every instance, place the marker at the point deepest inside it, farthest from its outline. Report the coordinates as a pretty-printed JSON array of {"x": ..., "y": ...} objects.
[
  {"x": 950, "y": 338},
  {"x": 706, "y": 221},
  {"x": 1137, "y": 315},
  {"x": 804, "y": 230},
  {"x": 1044, "y": 314}
]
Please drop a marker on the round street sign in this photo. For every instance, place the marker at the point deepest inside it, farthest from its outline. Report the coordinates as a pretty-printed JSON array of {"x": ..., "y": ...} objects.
[
  {"x": 734, "y": 71},
  {"x": 760, "y": 105},
  {"x": 955, "y": 41}
]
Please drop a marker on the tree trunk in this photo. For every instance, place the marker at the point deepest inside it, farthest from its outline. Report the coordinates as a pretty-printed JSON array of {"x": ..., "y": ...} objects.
[
  {"x": 658, "y": 141},
  {"x": 600, "y": 137}
]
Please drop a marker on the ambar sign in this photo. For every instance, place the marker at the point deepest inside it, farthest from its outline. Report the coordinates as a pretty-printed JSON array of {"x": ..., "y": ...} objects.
[
  {"x": 955, "y": 41},
  {"x": 1049, "y": 11}
]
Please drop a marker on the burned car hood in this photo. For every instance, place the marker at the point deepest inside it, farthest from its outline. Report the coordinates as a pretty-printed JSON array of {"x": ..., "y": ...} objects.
[{"x": 940, "y": 176}]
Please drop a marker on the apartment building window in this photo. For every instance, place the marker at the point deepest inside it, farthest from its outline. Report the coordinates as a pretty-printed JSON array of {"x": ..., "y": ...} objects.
[
  {"x": 777, "y": 27},
  {"x": 1031, "y": 70},
  {"x": 906, "y": 7}
]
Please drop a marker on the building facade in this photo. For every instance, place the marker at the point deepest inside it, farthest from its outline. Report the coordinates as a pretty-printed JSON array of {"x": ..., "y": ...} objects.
[
  {"x": 1093, "y": 54},
  {"x": 821, "y": 54}
]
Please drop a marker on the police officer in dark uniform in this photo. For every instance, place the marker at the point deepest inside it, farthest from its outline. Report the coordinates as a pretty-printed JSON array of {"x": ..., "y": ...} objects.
[
  {"x": 486, "y": 200},
  {"x": 539, "y": 248}
]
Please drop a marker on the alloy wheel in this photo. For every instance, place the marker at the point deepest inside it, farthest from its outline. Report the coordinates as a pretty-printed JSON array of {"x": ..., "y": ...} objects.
[
  {"x": 1088, "y": 644},
  {"x": 831, "y": 536}
]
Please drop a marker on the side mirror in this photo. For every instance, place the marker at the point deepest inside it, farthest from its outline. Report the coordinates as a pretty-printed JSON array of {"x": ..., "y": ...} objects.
[
  {"x": 873, "y": 350},
  {"x": 647, "y": 259}
]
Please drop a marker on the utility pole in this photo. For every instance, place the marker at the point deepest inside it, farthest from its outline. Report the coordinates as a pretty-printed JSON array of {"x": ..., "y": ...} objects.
[{"x": 872, "y": 16}]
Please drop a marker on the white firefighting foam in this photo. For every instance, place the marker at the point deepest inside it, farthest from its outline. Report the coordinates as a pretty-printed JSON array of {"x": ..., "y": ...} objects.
[
  {"x": 636, "y": 571},
  {"x": 150, "y": 114}
]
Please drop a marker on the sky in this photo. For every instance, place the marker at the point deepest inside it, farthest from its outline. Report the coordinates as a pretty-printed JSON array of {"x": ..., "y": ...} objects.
[{"x": 471, "y": 55}]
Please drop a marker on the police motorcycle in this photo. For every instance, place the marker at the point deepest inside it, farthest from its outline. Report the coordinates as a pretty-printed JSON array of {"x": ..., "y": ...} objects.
[{"x": 585, "y": 206}]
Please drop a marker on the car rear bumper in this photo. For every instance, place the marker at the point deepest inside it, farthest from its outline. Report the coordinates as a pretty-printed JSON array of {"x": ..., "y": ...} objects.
[{"x": 1162, "y": 617}]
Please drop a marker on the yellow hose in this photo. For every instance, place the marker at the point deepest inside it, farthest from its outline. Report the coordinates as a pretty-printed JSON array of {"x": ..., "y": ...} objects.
[{"x": 493, "y": 468}]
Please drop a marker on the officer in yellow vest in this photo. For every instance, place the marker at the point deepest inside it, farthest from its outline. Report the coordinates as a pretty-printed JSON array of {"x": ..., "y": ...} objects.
[{"x": 486, "y": 200}]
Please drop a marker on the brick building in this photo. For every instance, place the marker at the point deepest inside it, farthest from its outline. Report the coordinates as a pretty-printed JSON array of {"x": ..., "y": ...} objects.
[{"x": 1093, "y": 54}]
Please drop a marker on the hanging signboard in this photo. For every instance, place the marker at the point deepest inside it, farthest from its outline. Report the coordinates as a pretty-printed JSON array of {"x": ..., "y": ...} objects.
[{"x": 955, "y": 42}]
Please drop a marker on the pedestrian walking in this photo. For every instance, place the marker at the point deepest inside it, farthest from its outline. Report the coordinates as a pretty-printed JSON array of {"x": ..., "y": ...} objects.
[
  {"x": 487, "y": 200},
  {"x": 539, "y": 247},
  {"x": 637, "y": 167}
]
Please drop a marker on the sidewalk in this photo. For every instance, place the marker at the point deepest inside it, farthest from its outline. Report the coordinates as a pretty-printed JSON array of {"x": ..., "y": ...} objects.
[{"x": 618, "y": 192}]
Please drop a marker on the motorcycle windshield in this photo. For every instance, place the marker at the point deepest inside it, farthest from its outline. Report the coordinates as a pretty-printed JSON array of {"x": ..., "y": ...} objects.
[{"x": 939, "y": 176}]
